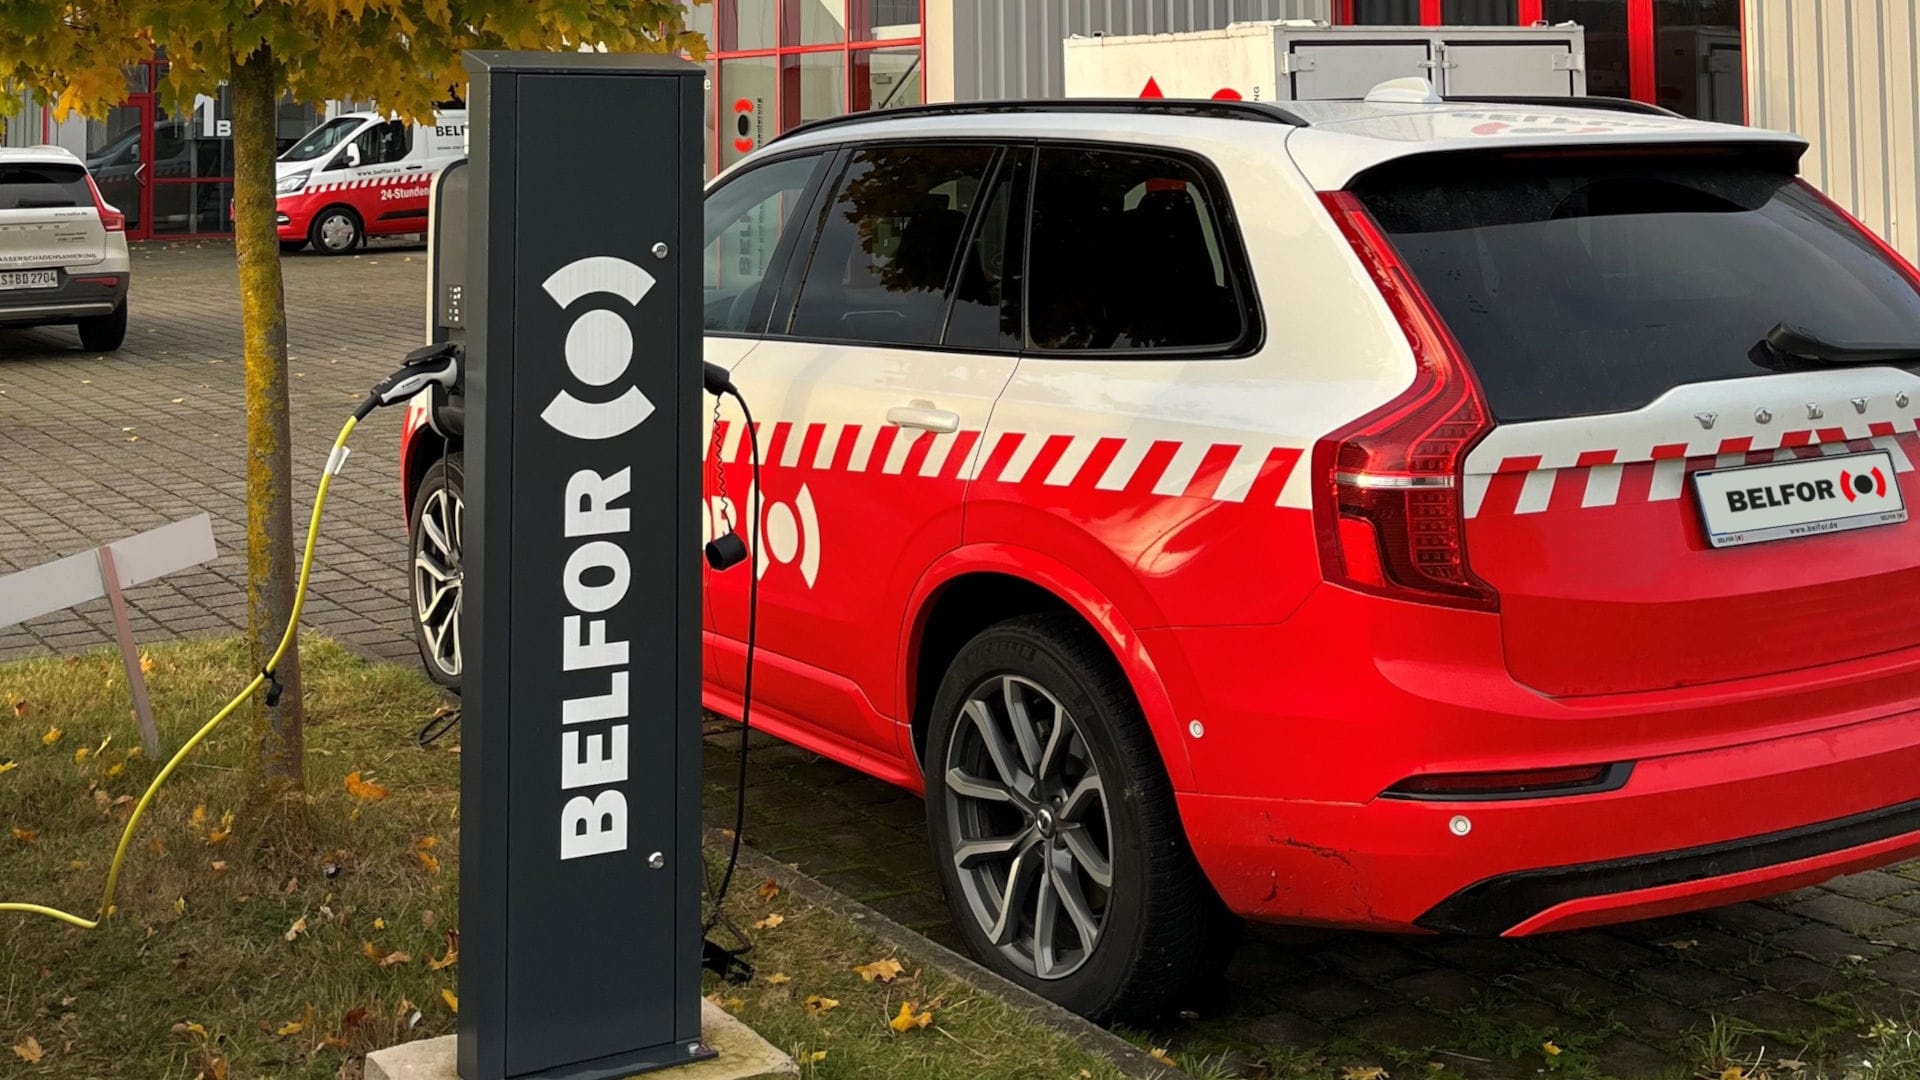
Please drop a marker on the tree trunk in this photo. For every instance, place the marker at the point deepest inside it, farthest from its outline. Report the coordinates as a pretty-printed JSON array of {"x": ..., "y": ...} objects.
[{"x": 277, "y": 761}]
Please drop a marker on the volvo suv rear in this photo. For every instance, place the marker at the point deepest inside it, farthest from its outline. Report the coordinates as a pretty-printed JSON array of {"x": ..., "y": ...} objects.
[{"x": 63, "y": 250}]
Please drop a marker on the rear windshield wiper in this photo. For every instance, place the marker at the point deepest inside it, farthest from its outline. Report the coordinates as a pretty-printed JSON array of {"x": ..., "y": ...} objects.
[{"x": 1786, "y": 346}]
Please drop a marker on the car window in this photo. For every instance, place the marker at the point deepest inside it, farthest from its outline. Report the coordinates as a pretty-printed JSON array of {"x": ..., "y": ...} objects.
[
  {"x": 1127, "y": 253},
  {"x": 317, "y": 142},
  {"x": 36, "y": 187},
  {"x": 744, "y": 220},
  {"x": 1583, "y": 285},
  {"x": 889, "y": 245},
  {"x": 986, "y": 301},
  {"x": 381, "y": 144}
]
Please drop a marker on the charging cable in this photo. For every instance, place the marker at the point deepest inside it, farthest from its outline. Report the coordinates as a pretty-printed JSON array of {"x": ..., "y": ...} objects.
[
  {"x": 435, "y": 364},
  {"x": 724, "y": 553}
]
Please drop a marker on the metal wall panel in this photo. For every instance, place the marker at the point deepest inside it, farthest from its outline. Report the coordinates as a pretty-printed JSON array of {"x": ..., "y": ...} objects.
[
  {"x": 1842, "y": 74},
  {"x": 987, "y": 49}
]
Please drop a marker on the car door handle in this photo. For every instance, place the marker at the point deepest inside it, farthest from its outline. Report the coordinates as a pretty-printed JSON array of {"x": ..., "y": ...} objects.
[
  {"x": 410, "y": 168},
  {"x": 924, "y": 416}
]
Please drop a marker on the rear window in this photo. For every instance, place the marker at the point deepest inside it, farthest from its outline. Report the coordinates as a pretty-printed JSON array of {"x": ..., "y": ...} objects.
[
  {"x": 1581, "y": 285},
  {"x": 33, "y": 187}
]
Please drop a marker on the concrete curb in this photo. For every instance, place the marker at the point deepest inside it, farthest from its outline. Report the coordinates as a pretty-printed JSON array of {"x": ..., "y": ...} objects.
[{"x": 1087, "y": 1035}]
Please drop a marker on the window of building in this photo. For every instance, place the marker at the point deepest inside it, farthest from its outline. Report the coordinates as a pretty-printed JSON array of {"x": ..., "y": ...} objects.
[
  {"x": 1386, "y": 13},
  {"x": 1609, "y": 60},
  {"x": 887, "y": 251},
  {"x": 744, "y": 222},
  {"x": 1480, "y": 12},
  {"x": 776, "y": 64},
  {"x": 1126, "y": 254},
  {"x": 1700, "y": 70}
]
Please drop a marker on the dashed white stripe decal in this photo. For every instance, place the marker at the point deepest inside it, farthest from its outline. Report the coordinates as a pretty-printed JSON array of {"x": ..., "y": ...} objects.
[
  {"x": 796, "y": 441},
  {"x": 897, "y": 453},
  {"x": 1669, "y": 477},
  {"x": 937, "y": 454},
  {"x": 862, "y": 448},
  {"x": 1239, "y": 477},
  {"x": 1603, "y": 485},
  {"x": 1536, "y": 491},
  {"x": 1022, "y": 459},
  {"x": 829, "y": 442},
  {"x": 1476, "y": 491},
  {"x": 1892, "y": 445},
  {"x": 1124, "y": 465},
  {"x": 1070, "y": 462},
  {"x": 1180, "y": 470}
]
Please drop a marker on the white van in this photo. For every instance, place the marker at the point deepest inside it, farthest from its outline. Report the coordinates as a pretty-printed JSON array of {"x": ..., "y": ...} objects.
[{"x": 362, "y": 174}]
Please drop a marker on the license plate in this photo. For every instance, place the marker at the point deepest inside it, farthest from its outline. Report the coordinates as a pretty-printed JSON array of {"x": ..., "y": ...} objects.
[
  {"x": 1807, "y": 497},
  {"x": 29, "y": 279}
]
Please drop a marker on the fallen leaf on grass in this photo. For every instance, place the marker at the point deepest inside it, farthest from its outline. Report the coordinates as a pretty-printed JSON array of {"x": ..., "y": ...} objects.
[
  {"x": 453, "y": 954},
  {"x": 19, "y": 709},
  {"x": 1159, "y": 1054},
  {"x": 426, "y": 843},
  {"x": 180, "y": 905},
  {"x": 432, "y": 864},
  {"x": 769, "y": 922},
  {"x": 1733, "y": 1072},
  {"x": 379, "y": 924},
  {"x": 768, "y": 889},
  {"x": 225, "y": 829},
  {"x": 817, "y": 1056},
  {"x": 8, "y": 766},
  {"x": 1364, "y": 1072},
  {"x": 884, "y": 970},
  {"x": 299, "y": 927},
  {"x": 25, "y": 836},
  {"x": 816, "y": 1005},
  {"x": 453, "y": 1003},
  {"x": 1550, "y": 1049},
  {"x": 219, "y": 866},
  {"x": 197, "y": 820},
  {"x": 190, "y": 1028},
  {"x": 146, "y": 664},
  {"x": 385, "y": 959},
  {"x": 29, "y": 1050},
  {"x": 52, "y": 736},
  {"x": 292, "y": 1027},
  {"x": 908, "y": 1019},
  {"x": 179, "y": 401},
  {"x": 779, "y": 978},
  {"x": 80, "y": 754},
  {"x": 365, "y": 790}
]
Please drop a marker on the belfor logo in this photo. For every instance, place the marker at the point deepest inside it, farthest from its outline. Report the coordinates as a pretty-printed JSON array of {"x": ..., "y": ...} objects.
[
  {"x": 1854, "y": 486},
  {"x": 599, "y": 348}
]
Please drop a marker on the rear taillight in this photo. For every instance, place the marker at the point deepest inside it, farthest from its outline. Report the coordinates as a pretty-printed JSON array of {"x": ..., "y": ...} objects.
[
  {"x": 110, "y": 219},
  {"x": 1892, "y": 254},
  {"x": 1389, "y": 509}
]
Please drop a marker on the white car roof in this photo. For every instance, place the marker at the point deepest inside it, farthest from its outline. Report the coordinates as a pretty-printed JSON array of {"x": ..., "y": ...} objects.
[
  {"x": 1330, "y": 141},
  {"x": 43, "y": 154}
]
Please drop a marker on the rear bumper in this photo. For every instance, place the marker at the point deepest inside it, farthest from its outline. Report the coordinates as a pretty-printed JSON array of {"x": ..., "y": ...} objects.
[
  {"x": 1685, "y": 832},
  {"x": 79, "y": 295}
]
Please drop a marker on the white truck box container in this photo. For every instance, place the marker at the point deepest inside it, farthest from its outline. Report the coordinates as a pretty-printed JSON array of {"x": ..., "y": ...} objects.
[{"x": 1301, "y": 61}]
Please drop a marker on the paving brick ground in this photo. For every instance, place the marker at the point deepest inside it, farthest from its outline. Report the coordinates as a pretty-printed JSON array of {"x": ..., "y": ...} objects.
[{"x": 1793, "y": 977}]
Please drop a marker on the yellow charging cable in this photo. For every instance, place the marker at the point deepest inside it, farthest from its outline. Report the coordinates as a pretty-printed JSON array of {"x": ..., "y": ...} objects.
[{"x": 334, "y": 463}]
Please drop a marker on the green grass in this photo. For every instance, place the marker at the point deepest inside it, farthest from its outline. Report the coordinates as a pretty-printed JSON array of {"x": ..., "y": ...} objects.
[{"x": 193, "y": 974}]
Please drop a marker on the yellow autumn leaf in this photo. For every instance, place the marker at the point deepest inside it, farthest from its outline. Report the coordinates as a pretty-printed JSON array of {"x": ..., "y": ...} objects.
[
  {"x": 817, "y": 1056},
  {"x": 8, "y": 766},
  {"x": 769, "y": 889},
  {"x": 884, "y": 970},
  {"x": 219, "y": 866},
  {"x": 365, "y": 790},
  {"x": 453, "y": 1003},
  {"x": 52, "y": 736},
  {"x": 907, "y": 1019},
  {"x": 426, "y": 843},
  {"x": 815, "y": 1004},
  {"x": 1733, "y": 1072},
  {"x": 198, "y": 819},
  {"x": 80, "y": 754},
  {"x": 29, "y": 1050},
  {"x": 432, "y": 864},
  {"x": 769, "y": 922},
  {"x": 385, "y": 959},
  {"x": 180, "y": 905},
  {"x": 112, "y": 770},
  {"x": 25, "y": 836},
  {"x": 452, "y": 957},
  {"x": 379, "y": 924},
  {"x": 224, "y": 830},
  {"x": 779, "y": 978},
  {"x": 190, "y": 1028},
  {"x": 1364, "y": 1072},
  {"x": 300, "y": 927},
  {"x": 292, "y": 1027},
  {"x": 1159, "y": 1054},
  {"x": 1551, "y": 1050},
  {"x": 146, "y": 664}
]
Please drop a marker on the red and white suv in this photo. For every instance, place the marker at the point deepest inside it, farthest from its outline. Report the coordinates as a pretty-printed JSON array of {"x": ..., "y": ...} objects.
[{"x": 1399, "y": 515}]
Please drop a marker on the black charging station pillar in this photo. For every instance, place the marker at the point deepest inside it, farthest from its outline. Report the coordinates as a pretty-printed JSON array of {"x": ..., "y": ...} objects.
[{"x": 580, "y": 800}]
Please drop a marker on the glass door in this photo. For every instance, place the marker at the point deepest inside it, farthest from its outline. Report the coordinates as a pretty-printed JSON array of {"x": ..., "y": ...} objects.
[{"x": 120, "y": 157}]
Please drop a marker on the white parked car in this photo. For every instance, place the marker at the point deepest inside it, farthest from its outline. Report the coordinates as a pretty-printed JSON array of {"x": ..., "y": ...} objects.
[{"x": 63, "y": 250}]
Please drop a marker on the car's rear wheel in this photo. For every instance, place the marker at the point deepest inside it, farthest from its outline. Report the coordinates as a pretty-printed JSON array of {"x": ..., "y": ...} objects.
[
  {"x": 436, "y": 578},
  {"x": 1054, "y": 827},
  {"x": 104, "y": 333},
  {"x": 335, "y": 231}
]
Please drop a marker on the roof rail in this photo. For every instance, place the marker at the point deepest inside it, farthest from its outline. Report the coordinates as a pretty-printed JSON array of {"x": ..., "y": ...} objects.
[
  {"x": 1585, "y": 101},
  {"x": 1264, "y": 112}
]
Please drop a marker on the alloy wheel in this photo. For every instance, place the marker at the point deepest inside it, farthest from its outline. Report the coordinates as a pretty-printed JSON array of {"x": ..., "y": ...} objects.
[
  {"x": 1027, "y": 817},
  {"x": 438, "y": 577}
]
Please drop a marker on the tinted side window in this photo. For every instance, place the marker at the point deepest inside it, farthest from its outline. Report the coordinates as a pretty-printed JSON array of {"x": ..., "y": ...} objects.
[
  {"x": 986, "y": 300},
  {"x": 1127, "y": 253},
  {"x": 744, "y": 222},
  {"x": 889, "y": 245}
]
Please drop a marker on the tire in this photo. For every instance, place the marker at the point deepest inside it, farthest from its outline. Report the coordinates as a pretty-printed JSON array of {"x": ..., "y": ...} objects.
[
  {"x": 1158, "y": 929},
  {"x": 335, "y": 231},
  {"x": 288, "y": 247},
  {"x": 104, "y": 333},
  {"x": 434, "y": 574}
]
